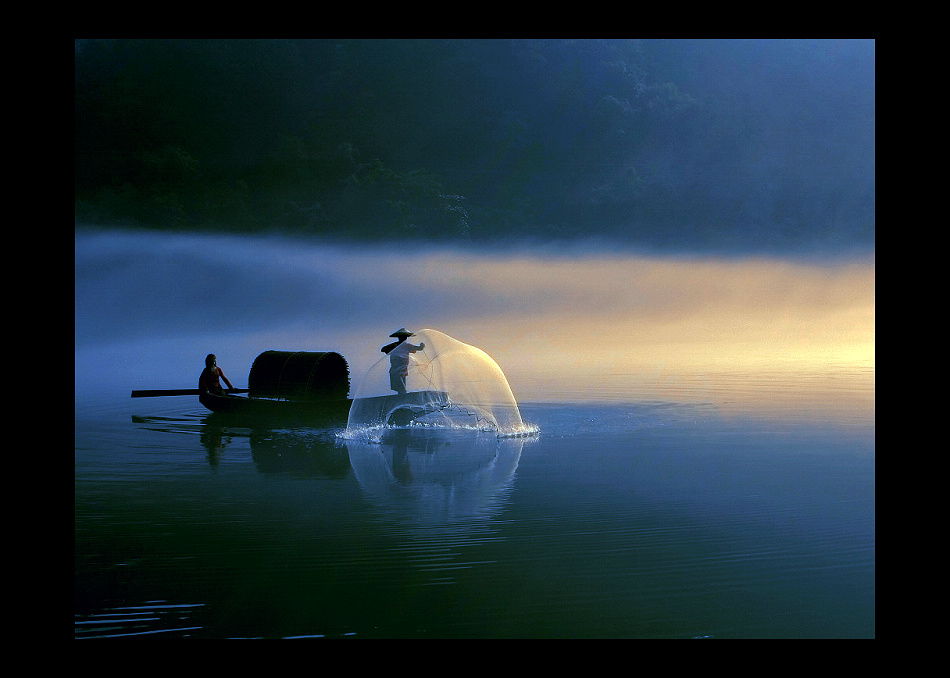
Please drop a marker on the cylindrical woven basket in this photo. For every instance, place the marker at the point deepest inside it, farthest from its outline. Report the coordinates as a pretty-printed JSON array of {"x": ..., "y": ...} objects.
[{"x": 299, "y": 375}]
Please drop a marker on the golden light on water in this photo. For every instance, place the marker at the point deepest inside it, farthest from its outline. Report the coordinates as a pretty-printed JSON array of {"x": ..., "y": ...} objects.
[{"x": 770, "y": 332}]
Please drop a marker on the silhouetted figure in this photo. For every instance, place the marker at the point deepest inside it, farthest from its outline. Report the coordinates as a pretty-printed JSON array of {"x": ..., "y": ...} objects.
[
  {"x": 209, "y": 381},
  {"x": 399, "y": 352}
]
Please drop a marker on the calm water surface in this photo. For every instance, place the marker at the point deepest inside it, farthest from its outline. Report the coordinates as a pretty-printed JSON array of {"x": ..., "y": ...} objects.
[{"x": 618, "y": 520}]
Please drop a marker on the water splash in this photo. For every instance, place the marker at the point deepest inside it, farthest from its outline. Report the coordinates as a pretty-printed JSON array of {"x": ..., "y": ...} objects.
[{"x": 443, "y": 383}]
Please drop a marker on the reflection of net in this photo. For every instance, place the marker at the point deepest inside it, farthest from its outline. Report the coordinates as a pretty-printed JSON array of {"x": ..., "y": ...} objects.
[
  {"x": 431, "y": 478},
  {"x": 448, "y": 383}
]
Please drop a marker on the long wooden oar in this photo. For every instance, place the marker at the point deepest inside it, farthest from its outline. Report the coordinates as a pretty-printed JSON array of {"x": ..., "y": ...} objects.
[{"x": 156, "y": 393}]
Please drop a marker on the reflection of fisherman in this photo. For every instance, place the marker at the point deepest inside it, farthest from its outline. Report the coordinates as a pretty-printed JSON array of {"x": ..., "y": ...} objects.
[
  {"x": 214, "y": 440},
  {"x": 402, "y": 470},
  {"x": 209, "y": 381},
  {"x": 399, "y": 352}
]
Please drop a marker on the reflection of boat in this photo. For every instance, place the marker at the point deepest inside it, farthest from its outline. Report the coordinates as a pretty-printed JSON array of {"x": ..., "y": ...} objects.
[{"x": 299, "y": 453}]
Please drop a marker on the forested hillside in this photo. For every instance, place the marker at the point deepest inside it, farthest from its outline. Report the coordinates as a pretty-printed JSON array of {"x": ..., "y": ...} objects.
[{"x": 759, "y": 145}]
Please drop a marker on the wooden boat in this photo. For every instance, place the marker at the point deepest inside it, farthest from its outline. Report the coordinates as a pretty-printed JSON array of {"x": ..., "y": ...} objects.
[
  {"x": 305, "y": 388},
  {"x": 299, "y": 385},
  {"x": 400, "y": 410},
  {"x": 268, "y": 408}
]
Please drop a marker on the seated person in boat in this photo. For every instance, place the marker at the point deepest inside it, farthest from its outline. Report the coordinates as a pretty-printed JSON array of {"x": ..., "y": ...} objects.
[
  {"x": 209, "y": 381},
  {"x": 399, "y": 352}
]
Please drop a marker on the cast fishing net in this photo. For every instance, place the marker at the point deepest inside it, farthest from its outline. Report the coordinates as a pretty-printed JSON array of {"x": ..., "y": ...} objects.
[{"x": 445, "y": 382}]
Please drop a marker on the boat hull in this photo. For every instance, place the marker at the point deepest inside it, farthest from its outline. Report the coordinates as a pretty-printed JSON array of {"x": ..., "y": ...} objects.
[
  {"x": 299, "y": 411},
  {"x": 398, "y": 409}
]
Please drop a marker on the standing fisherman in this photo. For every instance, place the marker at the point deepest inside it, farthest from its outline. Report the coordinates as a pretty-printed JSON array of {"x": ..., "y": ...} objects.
[{"x": 399, "y": 352}]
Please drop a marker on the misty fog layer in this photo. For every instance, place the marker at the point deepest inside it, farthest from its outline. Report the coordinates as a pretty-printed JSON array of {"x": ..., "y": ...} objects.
[
  {"x": 761, "y": 146},
  {"x": 150, "y": 306}
]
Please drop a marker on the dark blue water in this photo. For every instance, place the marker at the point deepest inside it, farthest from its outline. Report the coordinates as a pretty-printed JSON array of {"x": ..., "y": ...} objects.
[{"x": 618, "y": 520}]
